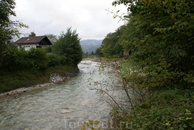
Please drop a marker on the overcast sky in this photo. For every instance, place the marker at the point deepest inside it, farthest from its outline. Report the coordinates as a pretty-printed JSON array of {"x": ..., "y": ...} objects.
[{"x": 89, "y": 17}]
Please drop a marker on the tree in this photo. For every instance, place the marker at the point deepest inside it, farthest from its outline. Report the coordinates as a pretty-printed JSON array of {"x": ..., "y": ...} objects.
[
  {"x": 98, "y": 51},
  {"x": 111, "y": 46},
  {"x": 6, "y": 10},
  {"x": 68, "y": 46},
  {"x": 32, "y": 34},
  {"x": 163, "y": 40},
  {"x": 160, "y": 34},
  {"x": 8, "y": 28}
]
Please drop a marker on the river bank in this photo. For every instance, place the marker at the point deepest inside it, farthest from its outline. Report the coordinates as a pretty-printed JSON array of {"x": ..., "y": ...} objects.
[
  {"x": 54, "y": 79},
  {"x": 60, "y": 106},
  {"x": 58, "y": 75},
  {"x": 23, "y": 81}
]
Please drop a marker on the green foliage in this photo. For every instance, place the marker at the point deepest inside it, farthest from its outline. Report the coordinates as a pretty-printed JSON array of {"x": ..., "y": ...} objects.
[
  {"x": 22, "y": 67},
  {"x": 38, "y": 58},
  {"x": 8, "y": 57},
  {"x": 68, "y": 46},
  {"x": 18, "y": 59},
  {"x": 111, "y": 46},
  {"x": 130, "y": 36},
  {"x": 26, "y": 68},
  {"x": 48, "y": 49},
  {"x": 159, "y": 38},
  {"x": 8, "y": 28},
  {"x": 6, "y": 10},
  {"x": 99, "y": 51},
  {"x": 67, "y": 51},
  {"x": 11, "y": 80},
  {"x": 21, "y": 60},
  {"x": 32, "y": 34},
  {"x": 54, "y": 60},
  {"x": 164, "y": 110}
]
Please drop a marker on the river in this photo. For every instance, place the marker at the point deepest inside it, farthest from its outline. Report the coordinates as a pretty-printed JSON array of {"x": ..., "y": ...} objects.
[{"x": 61, "y": 106}]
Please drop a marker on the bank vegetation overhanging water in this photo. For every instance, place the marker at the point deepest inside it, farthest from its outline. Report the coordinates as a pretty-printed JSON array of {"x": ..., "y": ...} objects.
[{"x": 161, "y": 108}]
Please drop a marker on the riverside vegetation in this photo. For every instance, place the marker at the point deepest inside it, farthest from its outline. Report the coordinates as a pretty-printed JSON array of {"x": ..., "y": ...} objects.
[
  {"x": 158, "y": 42},
  {"x": 20, "y": 68},
  {"x": 24, "y": 69},
  {"x": 158, "y": 38}
]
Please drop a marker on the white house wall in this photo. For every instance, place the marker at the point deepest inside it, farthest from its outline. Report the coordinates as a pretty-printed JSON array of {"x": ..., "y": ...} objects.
[{"x": 28, "y": 46}]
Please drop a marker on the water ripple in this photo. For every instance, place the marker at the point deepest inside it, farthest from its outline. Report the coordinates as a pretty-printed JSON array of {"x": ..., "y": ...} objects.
[{"x": 63, "y": 106}]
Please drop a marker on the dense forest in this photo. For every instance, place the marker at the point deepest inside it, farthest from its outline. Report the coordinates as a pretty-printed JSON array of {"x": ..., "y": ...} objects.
[
  {"x": 158, "y": 41},
  {"x": 17, "y": 65}
]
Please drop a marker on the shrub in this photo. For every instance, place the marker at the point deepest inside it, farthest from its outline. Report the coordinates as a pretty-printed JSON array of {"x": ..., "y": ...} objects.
[
  {"x": 164, "y": 110},
  {"x": 8, "y": 58},
  {"x": 54, "y": 60},
  {"x": 38, "y": 58}
]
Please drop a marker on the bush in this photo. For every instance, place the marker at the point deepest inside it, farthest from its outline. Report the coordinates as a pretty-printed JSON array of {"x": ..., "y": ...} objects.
[
  {"x": 39, "y": 59},
  {"x": 14, "y": 59},
  {"x": 23, "y": 61},
  {"x": 54, "y": 60},
  {"x": 8, "y": 58},
  {"x": 64, "y": 60},
  {"x": 48, "y": 49},
  {"x": 164, "y": 110}
]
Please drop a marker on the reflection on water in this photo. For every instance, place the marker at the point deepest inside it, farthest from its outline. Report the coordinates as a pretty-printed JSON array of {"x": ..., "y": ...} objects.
[{"x": 58, "y": 107}]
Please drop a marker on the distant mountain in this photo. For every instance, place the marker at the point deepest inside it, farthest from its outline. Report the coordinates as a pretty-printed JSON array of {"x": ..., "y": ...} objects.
[{"x": 90, "y": 45}]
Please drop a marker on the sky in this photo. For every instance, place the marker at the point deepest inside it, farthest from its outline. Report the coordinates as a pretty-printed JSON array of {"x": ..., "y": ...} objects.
[{"x": 92, "y": 19}]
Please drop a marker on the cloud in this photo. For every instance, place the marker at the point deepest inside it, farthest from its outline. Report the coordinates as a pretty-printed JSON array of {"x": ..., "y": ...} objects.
[{"x": 88, "y": 17}]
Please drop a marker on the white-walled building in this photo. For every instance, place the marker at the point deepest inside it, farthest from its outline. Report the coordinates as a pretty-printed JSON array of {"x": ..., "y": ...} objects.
[{"x": 33, "y": 42}]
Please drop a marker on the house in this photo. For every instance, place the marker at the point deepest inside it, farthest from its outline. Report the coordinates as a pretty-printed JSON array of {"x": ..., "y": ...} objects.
[{"x": 33, "y": 42}]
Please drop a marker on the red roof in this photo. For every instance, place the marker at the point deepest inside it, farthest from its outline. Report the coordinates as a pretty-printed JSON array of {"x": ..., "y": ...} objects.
[{"x": 34, "y": 40}]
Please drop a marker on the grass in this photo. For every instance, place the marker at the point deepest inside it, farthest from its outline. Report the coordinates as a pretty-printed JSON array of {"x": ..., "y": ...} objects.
[{"x": 25, "y": 78}]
